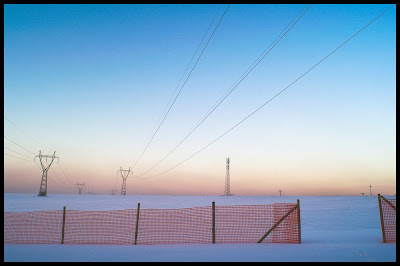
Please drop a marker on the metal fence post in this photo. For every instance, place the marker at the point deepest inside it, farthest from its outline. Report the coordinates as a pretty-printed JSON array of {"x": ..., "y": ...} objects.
[
  {"x": 381, "y": 215},
  {"x": 137, "y": 222},
  {"x": 63, "y": 226},
  {"x": 213, "y": 222},
  {"x": 298, "y": 219}
]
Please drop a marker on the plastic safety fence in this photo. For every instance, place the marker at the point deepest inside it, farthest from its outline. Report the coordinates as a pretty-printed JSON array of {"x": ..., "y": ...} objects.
[
  {"x": 38, "y": 227},
  {"x": 222, "y": 224},
  {"x": 248, "y": 223},
  {"x": 175, "y": 226},
  {"x": 100, "y": 227},
  {"x": 388, "y": 222}
]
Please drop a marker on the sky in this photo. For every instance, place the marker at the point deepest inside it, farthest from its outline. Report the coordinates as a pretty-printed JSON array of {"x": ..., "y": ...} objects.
[{"x": 94, "y": 84}]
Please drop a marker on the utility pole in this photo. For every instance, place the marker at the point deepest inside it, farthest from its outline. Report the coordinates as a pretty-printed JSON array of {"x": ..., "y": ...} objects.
[
  {"x": 227, "y": 181},
  {"x": 280, "y": 192},
  {"x": 126, "y": 172},
  {"x": 43, "y": 183},
  {"x": 80, "y": 187}
]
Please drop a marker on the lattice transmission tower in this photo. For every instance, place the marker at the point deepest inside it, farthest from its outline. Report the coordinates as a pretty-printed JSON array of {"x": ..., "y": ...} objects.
[
  {"x": 227, "y": 181},
  {"x": 43, "y": 183},
  {"x": 80, "y": 187},
  {"x": 126, "y": 172}
]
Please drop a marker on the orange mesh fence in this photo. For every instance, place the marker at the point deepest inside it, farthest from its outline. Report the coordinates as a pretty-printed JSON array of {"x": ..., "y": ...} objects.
[
  {"x": 388, "y": 216},
  {"x": 38, "y": 227},
  {"x": 174, "y": 226},
  {"x": 100, "y": 227},
  {"x": 287, "y": 231},
  {"x": 248, "y": 223},
  {"x": 233, "y": 224}
]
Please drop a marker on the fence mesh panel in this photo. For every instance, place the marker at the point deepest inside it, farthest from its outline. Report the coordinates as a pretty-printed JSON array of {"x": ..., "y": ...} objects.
[
  {"x": 100, "y": 227},
  {"x": 233, "y": 224},
  {"x": 248, "y": 223},
  {"x": 174, "y": 226},
  {"x": 38, "y": 227},
  {"x": 389, "y": 220},
  {"x": 288, "y": 230}
]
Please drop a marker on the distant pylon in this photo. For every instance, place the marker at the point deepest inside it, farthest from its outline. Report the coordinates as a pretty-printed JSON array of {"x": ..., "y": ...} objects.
[
  {"x": 113, "y": 191},
  {"x": 280, "y": 192},
  {"x": 80, "y": 187},
  {"x": 227, "y": 181},
  {"x": 123, "y": 190},
  {"x": 43, "y": 183}
]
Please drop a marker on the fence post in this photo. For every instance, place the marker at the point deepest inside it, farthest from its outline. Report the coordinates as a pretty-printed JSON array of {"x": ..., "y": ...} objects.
[
  {"x": 137, "y": 222},
  {"x": 381, "y": 215},
  {"x": 63, "y": 226},
  {"x": 213, "y": 222},
  {"x": 298, "y": 219}
]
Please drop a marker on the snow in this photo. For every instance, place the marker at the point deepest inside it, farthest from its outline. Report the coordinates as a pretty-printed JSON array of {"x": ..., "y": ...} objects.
[{"x": 333, "y": 228}]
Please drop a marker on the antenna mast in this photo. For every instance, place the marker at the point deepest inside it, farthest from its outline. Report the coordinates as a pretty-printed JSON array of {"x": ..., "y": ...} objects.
[{"x": 227, "y": 181}]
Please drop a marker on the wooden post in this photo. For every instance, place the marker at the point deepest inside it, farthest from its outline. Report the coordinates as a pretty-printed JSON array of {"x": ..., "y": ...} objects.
[
  {"x": 298, "y": 219},
  {"x": 381, "y": 215},
  {"x": 137, "y": 222},
  {"x": 63, "y": 226},
  {"x": 213, "y": 222},
  {"x": 388, "y": 202}
]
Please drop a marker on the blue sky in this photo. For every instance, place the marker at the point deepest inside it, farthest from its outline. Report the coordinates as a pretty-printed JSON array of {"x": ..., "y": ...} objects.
[{"x": 92, "y": 83}]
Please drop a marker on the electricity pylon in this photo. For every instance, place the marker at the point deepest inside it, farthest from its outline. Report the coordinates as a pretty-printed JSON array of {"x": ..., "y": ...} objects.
[
  {"x": 43, "y": 183},
  {"x": 227, "y": 181},
  {"x": 123, "y": 190},
  {"x": 80, "y": 187}
]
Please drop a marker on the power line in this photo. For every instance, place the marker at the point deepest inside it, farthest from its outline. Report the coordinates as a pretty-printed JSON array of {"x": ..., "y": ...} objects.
[
  {"x": 17, "y": 152},
  {"x": 19, "y": 145},
  {"x": 64, "y": 185},
  {"x": 17, "y": 157},
  {"x": 26, "y": 133},
  {"x": 181, "y": 87},
  {"x": 191, "y": 60},
  {"x": 276, "y": 95},
  {"x": 62, "y": 179},
  {"x": 244, "y": 75},
  {"x": 64, "y": 173}
]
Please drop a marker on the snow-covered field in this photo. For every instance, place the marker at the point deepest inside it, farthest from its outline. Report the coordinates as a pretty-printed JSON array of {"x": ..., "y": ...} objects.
[{"x": 342, "y": 228}]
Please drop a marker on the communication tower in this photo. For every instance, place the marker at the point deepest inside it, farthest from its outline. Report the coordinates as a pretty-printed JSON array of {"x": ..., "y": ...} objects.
[{"x": 227, "y": 181}]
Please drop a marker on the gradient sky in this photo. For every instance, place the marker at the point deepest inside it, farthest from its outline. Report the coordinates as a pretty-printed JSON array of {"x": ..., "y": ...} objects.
[{"x": 92, "y": 82}]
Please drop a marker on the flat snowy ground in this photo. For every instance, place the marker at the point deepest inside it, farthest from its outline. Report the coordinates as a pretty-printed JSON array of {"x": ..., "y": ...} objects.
[{"x": 332, "y": 229}]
